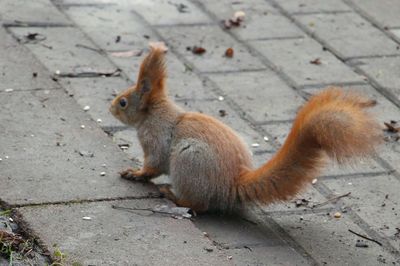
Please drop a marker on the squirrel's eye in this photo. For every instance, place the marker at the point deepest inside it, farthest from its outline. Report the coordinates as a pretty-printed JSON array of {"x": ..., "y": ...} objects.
[{"x": 123, "y": 102}]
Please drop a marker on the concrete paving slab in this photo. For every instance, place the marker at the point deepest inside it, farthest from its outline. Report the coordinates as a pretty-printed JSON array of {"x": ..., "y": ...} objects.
[
  {"x": 39, "y": 11},
  {"x": 120, "y": 237},
  {"x": 246, "y": 243},
  {"x": 374, "y": 199},
  {"x": 18, "y": 68},
  {"x": 328, "y": 241},
  {"x": 262, "y": 21},
  {"x": 60, "y": 52},
  {"x": 386, "y": 14},
  {"x": 385, "y": 71},
  {"x": 263, "y": 95},
  {"x": 314, "y": 6},
  {"x": 351, "y": 27},
  {"x": 173, "y": 12},
  {"x": 41, "y": 152},
  {"x": 215, "y": 41},
  {"x": 294, "y": 58}
]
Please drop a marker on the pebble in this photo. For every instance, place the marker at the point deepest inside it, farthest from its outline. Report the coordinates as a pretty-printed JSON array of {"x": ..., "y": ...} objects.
[
  {"x": 9, "y": 90},
  {"x": 230, "y": 257},
  {"x": 337, "y": 215},
  {"x": 255, "y": 145},
  {"x": 314, "y": 181},
  {"x": 104, "y": 165},
  {"x": 82, "y": 126},
  {"x": 87, "y": 218},
  {"x": 266, "y": 138},
  {"x": 103, "y": 173},
  {"x": 99, "y": 120},
  {"x": 221, "y": 98},
  {"x": 58, "y": 72},
  {"x": 6, "y": 157},
  {"x": 86, "y": 108}
]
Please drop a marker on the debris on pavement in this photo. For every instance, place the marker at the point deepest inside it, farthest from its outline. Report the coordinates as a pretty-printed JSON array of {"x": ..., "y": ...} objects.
[
  {"x": 235, "y": 21},
  {"x": 392, "y": 131},
  {"x": 173, "y": 212},
  {"x": 86, "y": 218},
  {"x": 222, "y": 113},
  {"x": 86, "y": 153},
  {"x": 332, "y": 199},
  {"x": 229, "y": 52},
  {"x": 316, "y": 61},
  {"x": 361, "y": 244},
  {"x": 365, "y": 237},
  {"x": 86, "y": 108},
  {"x": 85, "y": 72},
  {"x": 337, "y": 215},
  {"x": 130, "y": 53},
  {"x": 198, "y": 50}
]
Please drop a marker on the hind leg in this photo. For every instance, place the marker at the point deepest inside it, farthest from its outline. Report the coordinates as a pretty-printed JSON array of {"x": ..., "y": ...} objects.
[{"x": 166, "y": 191}]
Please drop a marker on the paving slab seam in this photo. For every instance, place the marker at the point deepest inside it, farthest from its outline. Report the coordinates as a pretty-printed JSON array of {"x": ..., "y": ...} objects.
[
  {"x": 334, "y": 12},
  {"x": 326, "y": 192},
  {"x": 300, "y": 211},
  {"x": 34, "y": 89},
  {"x": 369, "y": 18},
  {"x": 233, "y": 71},
  {"x": 270, "y": 223},
  {"x": 62, "y": 4},
  {"x": 350, "y": 58},
  {"x": 298, "y": 37},
  {"x": 81, "y": 201},
  {"x": 196, "y": 24},
  {"x": 380, "y": 89},
  {"x": 274, "y": 122},
  {"x": 32, "y": 24},
  {"x": 357, "y": 175},
  {"x": 339, "y": 84}
]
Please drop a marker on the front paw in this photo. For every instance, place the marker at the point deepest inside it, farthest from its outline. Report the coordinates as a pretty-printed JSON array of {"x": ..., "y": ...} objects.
[{"x": 134, "y": 175}]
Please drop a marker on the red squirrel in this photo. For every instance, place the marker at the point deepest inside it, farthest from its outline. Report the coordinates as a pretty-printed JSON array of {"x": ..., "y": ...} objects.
[{"x": 209, "y": 165}]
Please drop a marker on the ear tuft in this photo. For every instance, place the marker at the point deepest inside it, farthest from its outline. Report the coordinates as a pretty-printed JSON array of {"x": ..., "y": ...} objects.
[{"x": 152, "y": 70}]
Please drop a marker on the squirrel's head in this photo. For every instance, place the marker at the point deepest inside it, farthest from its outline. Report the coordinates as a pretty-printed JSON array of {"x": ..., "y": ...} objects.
[{"x": 132, "y": 105}]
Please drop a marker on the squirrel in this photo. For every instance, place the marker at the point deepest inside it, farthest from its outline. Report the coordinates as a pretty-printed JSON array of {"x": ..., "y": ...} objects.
[{"x": 209, "y": 165}]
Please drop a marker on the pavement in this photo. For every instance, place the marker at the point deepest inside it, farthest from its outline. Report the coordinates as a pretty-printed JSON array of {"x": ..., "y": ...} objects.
[{"x": 60, "y": 161}]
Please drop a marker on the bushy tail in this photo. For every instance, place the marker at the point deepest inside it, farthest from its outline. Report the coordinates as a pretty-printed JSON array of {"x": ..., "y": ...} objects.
[{"x": 332, "y": 123}]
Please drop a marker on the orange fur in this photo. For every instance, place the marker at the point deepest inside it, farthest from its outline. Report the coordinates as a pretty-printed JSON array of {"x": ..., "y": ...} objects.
[
  {"x": 208, "y": 163},
  {"x": 333, "y": 123}
]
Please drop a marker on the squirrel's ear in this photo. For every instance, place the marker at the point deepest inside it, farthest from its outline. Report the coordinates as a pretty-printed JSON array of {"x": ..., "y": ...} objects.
[{"x": 152, "y": 72}]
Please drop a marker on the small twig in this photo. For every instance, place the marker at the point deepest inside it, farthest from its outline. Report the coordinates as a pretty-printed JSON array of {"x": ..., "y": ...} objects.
[
  {"x": 100, "y": 51},
  {"x": 365, "y": 237},
  {"x": 331, "y": 199},
  {"x": 137, "y": 209}
]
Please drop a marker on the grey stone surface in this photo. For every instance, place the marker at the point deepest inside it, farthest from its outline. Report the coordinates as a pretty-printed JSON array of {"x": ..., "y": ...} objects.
[
  {"x": 307, "y": 6},
  {"x": 46, "y": 141},
  {"x": 386, "y": 13},
  {"x": 384, "y": 71},
  {"x": 328, "y": 241},
  {"x": 20, "y": 11},
  {"x": 122, "y": 237},
  {"x": 374, "y": 199},
  {"x": 215, "y": 41},
  {"x": 60, "y": 52},
  {"x": 246, "y": 243},
  {"x": 262, "y": 21},
  {"x": 351, "y": 27},
  {"x": 294, "y": 57},
  {"x": 171, "y": 12},
  {"x": 262, "y": 94},
  {"x": 97, "y": 93},
  {"x": 17, "y": 67}
]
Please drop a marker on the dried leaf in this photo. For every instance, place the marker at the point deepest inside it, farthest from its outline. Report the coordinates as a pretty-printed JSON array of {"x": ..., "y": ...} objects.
[
  {"x": 390, "y": 127},
  {"x": 235, "y": 21},
  {"x": 198, "y": 50},
  {"x": 316, "y": 61},
  {"x": 229, "y": 52}
]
